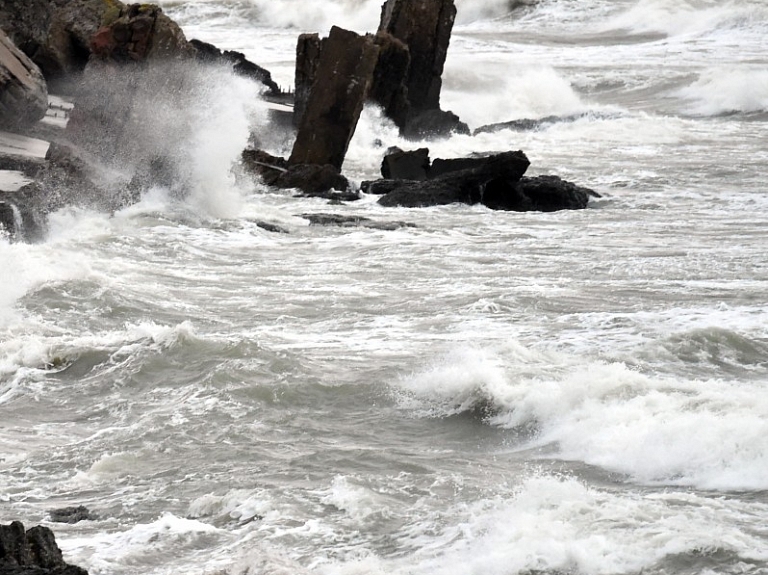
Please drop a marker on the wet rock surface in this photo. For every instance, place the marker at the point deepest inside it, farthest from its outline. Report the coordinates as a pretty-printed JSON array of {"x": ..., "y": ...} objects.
[
  {"x": 23, "y": 91},
  {"x": 32, "y": 552}
]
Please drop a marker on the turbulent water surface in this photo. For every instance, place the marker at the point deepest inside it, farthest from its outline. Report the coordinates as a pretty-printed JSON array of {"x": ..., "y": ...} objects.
[{"x": 484, "y": 393}]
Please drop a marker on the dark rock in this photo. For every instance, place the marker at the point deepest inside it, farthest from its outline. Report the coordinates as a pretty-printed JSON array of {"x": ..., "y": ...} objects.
[
  {"x": 71, "y": 514},
  {"x": 56, "y": 34},
  {"x": 388, "y": 88},
  {"x": 32, "y": 552},
  {"x": 269, "y": 167},
  {"x": 240, "y": 64},
  {"x": 353, "y": 221},
  {"x": 23, "y": 91},
  {"x": 140, "y": 32},
  {"x": 380, "y": 187},
  {"x": 400, "y": 165},
  {"x": 464, "y": 186},
  {"x": 476, "y": 162},
  {"x": 7, "y": 218},
  {"x": 425, "y": 27},
  {"x": 308, "y": 51},
  {"x": 529, "y": 124},
  {"x": 313, "y": 180},
  {"x": 346, "y": 67},
  {"x": 434, "y": 124},
  {"x": 272, "y": 228},
  {"x": 542, "y": 194}
]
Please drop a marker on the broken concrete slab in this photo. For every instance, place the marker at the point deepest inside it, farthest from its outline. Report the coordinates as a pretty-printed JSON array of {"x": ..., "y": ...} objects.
[{"x": 343, "y": 78}]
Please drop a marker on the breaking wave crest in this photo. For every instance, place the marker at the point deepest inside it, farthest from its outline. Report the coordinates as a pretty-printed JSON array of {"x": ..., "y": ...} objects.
[{"x": 708, "y": 434}]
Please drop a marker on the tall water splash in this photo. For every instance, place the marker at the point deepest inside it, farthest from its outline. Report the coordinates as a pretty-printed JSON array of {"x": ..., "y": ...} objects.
[{"x": 178, "y": 126}]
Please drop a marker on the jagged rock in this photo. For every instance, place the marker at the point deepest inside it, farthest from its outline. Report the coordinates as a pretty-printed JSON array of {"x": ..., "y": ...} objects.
[
  {"x": 400, "y": 165},
  {"x": 434, "y": 124},
  {"x": 541, "y": 194},
  {"x": 32, "y": 552},
  {"x": 389, "y": 89},
  {"x": 206, "y": 52},
  {"x": 23, "y": 91},
  {"x": 381, "y": 187},
  {"x": 425, "y": 27},
  {"x": 463, "y": 186},
  {"x": 308, "y": 49},
  {"x": 346, "y": 67},
  {"x": 266, "y": 165},
  {"x": 140, "y": 32},
  {"x": 312, "y": 180},
  {"x": 71, "y": 514}
]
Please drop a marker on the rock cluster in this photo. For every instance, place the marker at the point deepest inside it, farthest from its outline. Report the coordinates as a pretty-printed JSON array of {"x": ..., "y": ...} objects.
[{"x": 32, "y": 552}]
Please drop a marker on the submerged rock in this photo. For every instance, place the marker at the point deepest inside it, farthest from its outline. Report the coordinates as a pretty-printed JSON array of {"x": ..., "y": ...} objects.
[
  {"x": 69, "y": 514},
  {"x": 312, "y": 180},
  {"x": 32, "y": 552},
  {"x": 353, "y": 222}
]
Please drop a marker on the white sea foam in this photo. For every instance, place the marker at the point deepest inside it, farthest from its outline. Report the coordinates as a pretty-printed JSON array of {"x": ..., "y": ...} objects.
[
  {"x": 727, "y": 90},
  {"x": 142, "y": 545},
  {"x": 708, "y": 434},
  {"x": 489, "y": 94},
  {"x": 553, "y": 523},
  {"x": 676, "y": 17}
]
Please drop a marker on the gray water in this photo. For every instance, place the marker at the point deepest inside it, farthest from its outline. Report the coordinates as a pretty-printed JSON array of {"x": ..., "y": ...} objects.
[{"x": 483, "y": 392}]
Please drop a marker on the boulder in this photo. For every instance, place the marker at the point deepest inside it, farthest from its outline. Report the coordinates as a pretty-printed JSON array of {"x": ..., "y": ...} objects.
[
  {"x": 32, "y": 552},
  {"x": 312, "y": 180},
  {"x": 400, "y": 165},
  {"x": 206, "y": 52},
  {"x": 353, "y": 222},
  {"x": 345, "y": 67},
  {"x": 23, "y": 91},
  {"x": 71, "y": 514},
  {"x": 434, "y": 124},
  {"x": 140, "y": 32},
  {"x": 463, "y": 186},
  {"x": 425, "y": 27}
]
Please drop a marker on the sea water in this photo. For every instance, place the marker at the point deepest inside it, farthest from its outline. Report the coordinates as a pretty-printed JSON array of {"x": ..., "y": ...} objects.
[{"x": 484, "y": 392}]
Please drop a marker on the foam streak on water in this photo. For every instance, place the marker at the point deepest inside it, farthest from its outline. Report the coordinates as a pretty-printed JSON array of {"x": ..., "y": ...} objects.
[{"x": 485, "y": 392}]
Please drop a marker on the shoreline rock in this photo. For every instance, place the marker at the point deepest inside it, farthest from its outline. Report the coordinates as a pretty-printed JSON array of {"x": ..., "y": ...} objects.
[{"x": 32, "y": 552}]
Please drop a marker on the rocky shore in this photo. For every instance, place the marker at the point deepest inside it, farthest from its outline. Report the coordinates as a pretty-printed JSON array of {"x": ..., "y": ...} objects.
[{"x": 77, "y": 79}]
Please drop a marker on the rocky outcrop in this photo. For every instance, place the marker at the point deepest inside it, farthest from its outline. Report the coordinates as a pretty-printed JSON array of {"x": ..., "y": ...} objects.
[
  {"x": 425, "y": 27},
  {"x": 308, "y": 49},
  {"x": 495, "y": 181},
  {"x": 388, "y": 88},
  {"x": 140, "y": 32},
  {"x": 346, "y": 67},
  {"x": 400, "y": 165},
  {"x": 32, "y": 552},
  {"x": 56, "y": 34},
  {"x": 465, "y": 186},
  {"x": 313, "y": 180},
  {"x": 206, "y": 52},
  {"x": 23, "y": 91}
]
